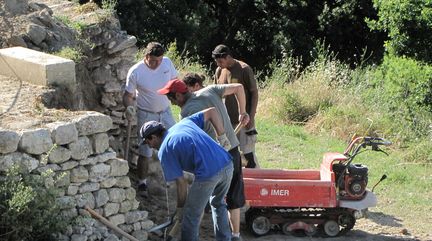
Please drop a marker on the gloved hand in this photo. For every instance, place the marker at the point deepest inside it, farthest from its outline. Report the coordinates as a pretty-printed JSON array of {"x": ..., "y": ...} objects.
[
  {"x": 224, "y": 142},
  {"x": 130, "y": 112},
  {"x": 178, "y": 215}
]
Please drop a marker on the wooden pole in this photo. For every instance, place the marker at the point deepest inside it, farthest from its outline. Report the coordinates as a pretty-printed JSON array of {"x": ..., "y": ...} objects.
[{"x": 109, "y": 224}]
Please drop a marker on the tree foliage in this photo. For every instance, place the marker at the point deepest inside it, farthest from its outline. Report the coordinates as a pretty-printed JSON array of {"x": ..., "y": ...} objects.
[
  {"x": 409, "y": 26},
  {"x": 259, "y": 32}
]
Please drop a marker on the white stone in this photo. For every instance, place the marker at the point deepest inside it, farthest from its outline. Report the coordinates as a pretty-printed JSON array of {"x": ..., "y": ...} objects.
[
  {"x": 69, "y": 165},
  {"x": 36, "y": 141},
  {"x": 79, "y": 174},
  {"x": 146, "y": 225},
  {"x": 8, "y": 141},
  {"x": 86, "y": 199},
  {"x": 101, "y": 197},
  {"x": 123, "y": 182},
  {"x": 111, "y": 209},
  {"x": 63, "y": 132},
  {"x": 119, "y": 167},
  {"x": 130, "y": 193},
  {"x": 78, "y": 237},
  {"x": 135, "y": 216},
  {"x": 128, "y": 42},
  {"x": 36, "y": 33},
  {"x": 72, "y": 189},
  {"x": 93, "y": 123},
  {"x": 81, "y": 148},
  {"x": 40, "y": 68},
  {"x": 89, "y": 187},
  {"x": 107, "y": 183},
  {"x": 140, "y": 234},
  {"x": 99, "y": 158},
  {"x": 53, "y": 167},
  {"x": 99, "y": 142},
  {"x": 117, "y": 219},
  {"x": 116, "y": 195},
  {"x": 25, "y": 162},
  {"x": 59, "y": 154},
  {"x": 99, "y": 172}
]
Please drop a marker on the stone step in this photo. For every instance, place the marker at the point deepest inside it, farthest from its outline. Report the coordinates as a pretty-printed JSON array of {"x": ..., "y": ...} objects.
[{"x": 37, "y": 67}]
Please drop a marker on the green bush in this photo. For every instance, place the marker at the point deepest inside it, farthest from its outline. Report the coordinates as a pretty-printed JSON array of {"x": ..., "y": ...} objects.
[
  {"x": 74, "y": 54},
  {"x": 404, "y": 87},
  {"x": 28, "y": 210}
]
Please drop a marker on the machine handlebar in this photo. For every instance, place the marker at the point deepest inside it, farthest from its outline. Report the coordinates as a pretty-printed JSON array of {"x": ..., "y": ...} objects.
[{"x": 376, "y": 141}]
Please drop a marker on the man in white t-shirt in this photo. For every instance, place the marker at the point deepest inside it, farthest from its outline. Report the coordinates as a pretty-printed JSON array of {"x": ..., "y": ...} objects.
[{"x": 142, "y": 82}]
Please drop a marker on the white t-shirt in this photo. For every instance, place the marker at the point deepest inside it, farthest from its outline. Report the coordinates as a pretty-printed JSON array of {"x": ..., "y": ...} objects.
[{"x": 144, "y": 82}]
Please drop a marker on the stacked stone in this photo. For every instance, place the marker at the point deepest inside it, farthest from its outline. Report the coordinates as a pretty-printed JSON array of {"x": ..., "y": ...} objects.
[
  {"x": 114, "y": 53},
  {"x": 89, "y": 174},
  {"x": 109, "y": 55}
]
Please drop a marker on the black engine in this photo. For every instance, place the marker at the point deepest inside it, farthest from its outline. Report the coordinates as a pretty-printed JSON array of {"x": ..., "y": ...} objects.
[{"x": 351, "y": 180}]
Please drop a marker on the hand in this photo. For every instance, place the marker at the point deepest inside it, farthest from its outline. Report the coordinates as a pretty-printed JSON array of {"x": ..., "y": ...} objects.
[
  {"x": 178, "y": 216},
  {"x": 244, "y": 118},
  {"x": 130, "y": 112},
  {"x": 250, "y": 124},
  {"x": 224, "y": 142}
]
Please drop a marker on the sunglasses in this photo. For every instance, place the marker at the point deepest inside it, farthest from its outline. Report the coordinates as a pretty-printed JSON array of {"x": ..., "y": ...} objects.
[{"x": 219, "y": 55}]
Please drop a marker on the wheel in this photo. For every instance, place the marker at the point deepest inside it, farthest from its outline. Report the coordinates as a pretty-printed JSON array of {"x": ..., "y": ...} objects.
[
  {"x": 346, "y": 221},
  {"x": 285, "y": 228},
  {"x": 331, "y": 228},
  {"x": 312, "y": 232},
  {"x": 258, "y": 224}
]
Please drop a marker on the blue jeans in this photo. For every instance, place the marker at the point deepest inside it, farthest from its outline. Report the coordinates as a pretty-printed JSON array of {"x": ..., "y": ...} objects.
[
  {"x": 165, "y": 117},
  {"x": 213, "y": 190}
]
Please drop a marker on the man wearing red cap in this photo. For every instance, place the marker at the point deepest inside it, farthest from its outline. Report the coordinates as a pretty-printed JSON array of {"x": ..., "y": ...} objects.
[
  {"x": 186, "y": 147},
  {"x": 211, "y": 96},
  {"x": 143, "y": 80}
]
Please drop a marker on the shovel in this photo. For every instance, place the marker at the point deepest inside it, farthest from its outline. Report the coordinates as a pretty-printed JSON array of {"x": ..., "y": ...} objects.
[
  {"x": 163, "y": 225},
  {"x": 128, "y": 133}
]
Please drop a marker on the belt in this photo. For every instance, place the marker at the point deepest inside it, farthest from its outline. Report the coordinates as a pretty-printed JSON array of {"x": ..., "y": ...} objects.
[{"x": 160, "y": 112}]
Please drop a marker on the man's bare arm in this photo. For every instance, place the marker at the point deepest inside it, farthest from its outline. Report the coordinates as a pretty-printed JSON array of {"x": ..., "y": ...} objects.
[
  {"x": 213, "y": 116},
  {"x": 238, "y": 91},
  {"x": 128, "y": 99},
  {"x": 253, "y": 107},
  {"x": 182, "y": 185}
]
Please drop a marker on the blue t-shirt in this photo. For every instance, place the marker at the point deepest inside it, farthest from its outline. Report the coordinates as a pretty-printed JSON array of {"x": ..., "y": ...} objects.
[{"x": 187, "y": 147}]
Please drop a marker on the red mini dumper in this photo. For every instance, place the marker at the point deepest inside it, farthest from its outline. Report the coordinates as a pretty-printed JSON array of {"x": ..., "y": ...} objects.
[{"x": 328, "y": 200}]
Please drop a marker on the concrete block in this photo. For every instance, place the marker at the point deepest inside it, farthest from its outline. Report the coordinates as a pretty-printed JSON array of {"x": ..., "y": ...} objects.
[{"x": 37, "y": 67}]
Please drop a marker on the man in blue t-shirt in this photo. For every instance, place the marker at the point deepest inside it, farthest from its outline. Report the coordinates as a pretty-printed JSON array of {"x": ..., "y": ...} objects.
[{"x": 186, "y": 147}]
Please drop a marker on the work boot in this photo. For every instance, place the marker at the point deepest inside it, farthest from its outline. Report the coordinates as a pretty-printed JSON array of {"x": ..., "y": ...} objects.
[
  {"x": 142, "y": 190},
  {"x": 236, "y": 239}
]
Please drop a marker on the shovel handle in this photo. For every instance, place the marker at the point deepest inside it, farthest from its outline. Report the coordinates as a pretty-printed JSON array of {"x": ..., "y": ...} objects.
[
  {"x": 109, "y": 224},
  {"x": 238, "y": 128},
  {"x": 128, "y": 133}
]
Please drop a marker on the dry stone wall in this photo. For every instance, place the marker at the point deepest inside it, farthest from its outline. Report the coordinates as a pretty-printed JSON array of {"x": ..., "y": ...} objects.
[
  {"x": 90, "y": 173},
  {"x": 108, "y": 52}
]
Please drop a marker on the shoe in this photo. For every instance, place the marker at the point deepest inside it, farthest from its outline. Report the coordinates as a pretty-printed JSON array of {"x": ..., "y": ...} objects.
[
  {"x": 142, "y": 190},
  {"x": 236, "y": 239},
  {"x": 142, "y": 187}
]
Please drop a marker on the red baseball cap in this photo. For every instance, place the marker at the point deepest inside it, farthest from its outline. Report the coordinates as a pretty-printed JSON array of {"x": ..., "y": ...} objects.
[{"x": 174, "y": 86}]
